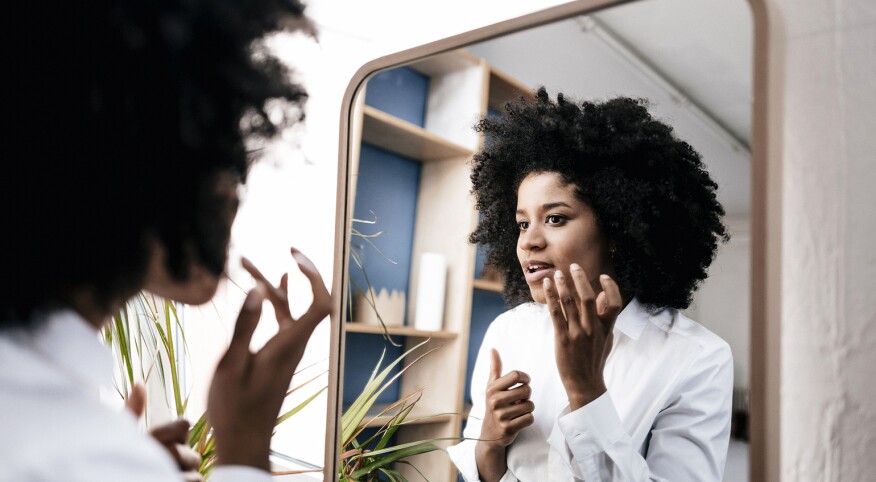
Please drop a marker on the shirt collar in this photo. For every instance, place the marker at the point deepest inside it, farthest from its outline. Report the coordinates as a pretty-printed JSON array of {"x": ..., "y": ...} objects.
[
  {"x": 632, "y": 319},
  {"x": 73, "y": 346}
]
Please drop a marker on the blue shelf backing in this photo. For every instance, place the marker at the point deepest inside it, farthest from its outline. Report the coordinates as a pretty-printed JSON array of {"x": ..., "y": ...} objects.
[
  {"x": 361, "y": 356},
  {"x": 401, "y": 92},
  {"x": 485, "y": 307},
  {"x": 387, "y": 188}
]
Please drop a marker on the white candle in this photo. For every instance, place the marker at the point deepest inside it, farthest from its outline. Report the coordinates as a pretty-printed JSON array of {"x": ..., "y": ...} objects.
[{"x": 432, "y": 281}]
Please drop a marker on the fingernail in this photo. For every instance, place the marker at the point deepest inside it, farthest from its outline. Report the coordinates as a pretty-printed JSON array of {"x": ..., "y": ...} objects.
[
  {"x": 574, "y": 267},
  {"x": 547, "y": 282},
  {"x": 255, "y": 298},
  {"x": 558, "y": 274},
  {"x": 604, "y": 277}
]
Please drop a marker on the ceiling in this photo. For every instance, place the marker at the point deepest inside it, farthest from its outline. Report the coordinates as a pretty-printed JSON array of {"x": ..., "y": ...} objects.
[{"x": 702, "y": 47}]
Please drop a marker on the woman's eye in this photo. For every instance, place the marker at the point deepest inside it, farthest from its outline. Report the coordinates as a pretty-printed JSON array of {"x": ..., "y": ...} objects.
[
  {"x": 522, "y": 225},
  {"x": 555, "y": 219}
]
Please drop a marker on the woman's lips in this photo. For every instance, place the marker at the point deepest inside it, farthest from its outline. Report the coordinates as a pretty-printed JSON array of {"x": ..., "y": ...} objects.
[{"x": 539, "y": 274}]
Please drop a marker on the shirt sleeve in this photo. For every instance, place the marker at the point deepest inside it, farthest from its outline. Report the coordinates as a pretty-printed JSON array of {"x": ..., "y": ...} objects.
[
  {"x": 688, "y": 440},
  {"x": 239, "y": 473},
  {"x": 463, "y": 453}
]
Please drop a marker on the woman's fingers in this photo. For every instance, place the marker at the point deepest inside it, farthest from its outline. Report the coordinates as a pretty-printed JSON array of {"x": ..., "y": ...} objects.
[
  {"x": 609, "y": 302},
  {"x": 511, "y": 396},
  {"x": 173, "y": 432},
  {"x": 136, "y": 401},
  {"x": 238, "y": 350},
  {"x": 552, "y": 299},
  {"x": 321, "y": 305},
  {"x": 288, "y": 345},
  {"x": 510, "y": 412},
  {"x": 495, "y": 366},
  {"x": 276, "y": 295},
  {"x": 568, "y": 301},
  {"x": 508, "y": 380},
  {"x": 586, "y": 296}
]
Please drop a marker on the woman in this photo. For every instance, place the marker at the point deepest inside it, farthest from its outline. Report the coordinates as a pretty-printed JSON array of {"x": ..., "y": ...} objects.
[
  {"x": 595, "y": 374},
  {"x": 132, "y": 120}
]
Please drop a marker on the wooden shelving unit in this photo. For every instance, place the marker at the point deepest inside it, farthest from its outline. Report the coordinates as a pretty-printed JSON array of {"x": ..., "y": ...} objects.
[
  {"x": 487, "y": 285},
  {"x": 462, "y": 87},
  {"x": 399, "y": 136},
  {"x": 405, "y": 331},
  {"x": 418, "y": 416}
]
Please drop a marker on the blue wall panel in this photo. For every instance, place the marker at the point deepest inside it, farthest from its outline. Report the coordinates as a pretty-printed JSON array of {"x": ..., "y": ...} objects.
[
  {"x": 361, "y": 356},
  {"x": 485, "y": 307},
  {"x": 401, "y": 92},
  {"x": 387, "y": 189}
]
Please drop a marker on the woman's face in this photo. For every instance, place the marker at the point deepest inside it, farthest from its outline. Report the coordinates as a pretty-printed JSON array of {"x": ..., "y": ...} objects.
[
  {"x": 556, "y": 230},
  {"x": 201, "y": 283}
]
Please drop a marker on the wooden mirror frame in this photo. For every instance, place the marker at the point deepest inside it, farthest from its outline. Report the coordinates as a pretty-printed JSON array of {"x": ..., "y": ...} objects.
[{"x": 764, "y": 463}]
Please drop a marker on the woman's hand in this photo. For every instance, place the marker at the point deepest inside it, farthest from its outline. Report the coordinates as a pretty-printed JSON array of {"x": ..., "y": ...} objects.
[
  {"x": 249, "y": 388},
  {"x": 172, "y": 436},
  {"x": 583, "y": 324},
  {"x": 508, "y": 411}
]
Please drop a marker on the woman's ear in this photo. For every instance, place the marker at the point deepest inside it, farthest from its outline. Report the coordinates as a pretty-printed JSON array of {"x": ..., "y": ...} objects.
[{"x": 197, "y": 288}]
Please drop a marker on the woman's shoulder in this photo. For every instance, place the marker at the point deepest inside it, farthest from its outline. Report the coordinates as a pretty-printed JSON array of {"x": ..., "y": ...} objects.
[{"x": 676, "y": 323}]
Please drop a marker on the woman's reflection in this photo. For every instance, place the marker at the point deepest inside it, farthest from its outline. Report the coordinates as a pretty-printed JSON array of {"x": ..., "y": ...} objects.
[{"x": 595, "y": 374}]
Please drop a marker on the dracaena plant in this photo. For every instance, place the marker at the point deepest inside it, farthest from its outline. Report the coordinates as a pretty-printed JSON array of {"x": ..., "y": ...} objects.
[
  {"x": 148, "y": 340},
  {"x": 356, "y": 256},
  {"x": 371, "y": 458}
]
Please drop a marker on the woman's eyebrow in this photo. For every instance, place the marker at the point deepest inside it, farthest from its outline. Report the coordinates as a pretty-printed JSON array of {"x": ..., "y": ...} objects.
[
  {"x": 556, "y": 204},
  {"x": 547, "y": 206}
]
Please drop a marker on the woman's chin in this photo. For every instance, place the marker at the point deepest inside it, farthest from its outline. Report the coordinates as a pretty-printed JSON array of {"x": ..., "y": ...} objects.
[{"x": 537, "y": 294}]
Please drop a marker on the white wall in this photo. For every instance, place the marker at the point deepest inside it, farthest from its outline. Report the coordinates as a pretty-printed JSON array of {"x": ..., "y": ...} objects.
[
  {"x": 825, "y": 74},
  {"x": 723, "y": 302}
]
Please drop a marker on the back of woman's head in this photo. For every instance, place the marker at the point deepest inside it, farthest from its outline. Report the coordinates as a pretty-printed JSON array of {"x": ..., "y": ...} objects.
[
  {"x": 650, "y": 192},
  {"x": 123, "y": 116}
]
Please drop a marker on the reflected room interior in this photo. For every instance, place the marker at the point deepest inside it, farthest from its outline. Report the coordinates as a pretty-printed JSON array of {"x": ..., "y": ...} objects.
[{"x": 413, "y": 277}]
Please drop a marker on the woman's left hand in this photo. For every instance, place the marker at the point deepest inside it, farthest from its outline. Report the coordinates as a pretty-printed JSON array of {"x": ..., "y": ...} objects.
[{"x": 583, "y": 324}]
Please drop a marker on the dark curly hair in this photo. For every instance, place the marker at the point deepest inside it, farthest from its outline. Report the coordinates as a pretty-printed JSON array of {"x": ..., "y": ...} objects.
[
  {"x": 652, "y": 197},
  {"x": 125, "y": 114}
]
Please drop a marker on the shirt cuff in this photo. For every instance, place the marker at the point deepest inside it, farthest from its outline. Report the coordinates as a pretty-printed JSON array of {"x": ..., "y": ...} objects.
[
  {"x": 591, "y": 429},
  {"x": 239, "y": 473},
  {"x": 463, "y": 457}
]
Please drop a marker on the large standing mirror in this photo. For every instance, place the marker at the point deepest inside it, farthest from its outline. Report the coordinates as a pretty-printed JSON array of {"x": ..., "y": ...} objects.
[{"x": 410, "y": 279}]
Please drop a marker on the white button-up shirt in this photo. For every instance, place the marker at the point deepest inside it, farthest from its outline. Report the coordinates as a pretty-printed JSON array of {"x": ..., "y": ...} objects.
[
  {"x": 665, "y": 417},
  {"x": 53, "y": 426}
]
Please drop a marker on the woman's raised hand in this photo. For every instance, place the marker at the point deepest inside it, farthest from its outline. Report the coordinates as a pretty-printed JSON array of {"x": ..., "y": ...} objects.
[
  {"x": 583, "y": 324},
  {"x": 508, "y": 410},
  {"x": 249, "y": 388}
]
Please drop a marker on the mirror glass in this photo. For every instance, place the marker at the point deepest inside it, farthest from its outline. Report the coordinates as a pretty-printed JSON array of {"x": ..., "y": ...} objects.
[{"x": 416, "y": 285}]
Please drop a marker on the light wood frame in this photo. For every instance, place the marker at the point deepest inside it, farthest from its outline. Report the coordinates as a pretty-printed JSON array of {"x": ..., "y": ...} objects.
[{"x": 766, "y": 232}]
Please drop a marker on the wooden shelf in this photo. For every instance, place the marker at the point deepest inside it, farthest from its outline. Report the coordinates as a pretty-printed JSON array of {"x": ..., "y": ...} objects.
[
  {"x": 504, "y": 88},
  {"x": 353, "y": 327},
  {"x": 418, "y": 416},
  {"x": 396, "y": 135},
  {"x": 487, "y": 285}
]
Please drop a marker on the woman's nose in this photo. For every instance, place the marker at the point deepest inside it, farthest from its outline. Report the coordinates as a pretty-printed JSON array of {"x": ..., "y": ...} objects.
[{"x": 532, "y": 239}]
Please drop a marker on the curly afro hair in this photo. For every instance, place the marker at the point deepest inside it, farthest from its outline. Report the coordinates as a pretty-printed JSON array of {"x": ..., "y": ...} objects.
[
  {"x": 652, "y": 197},
  {"x": 124, "y": 115}
]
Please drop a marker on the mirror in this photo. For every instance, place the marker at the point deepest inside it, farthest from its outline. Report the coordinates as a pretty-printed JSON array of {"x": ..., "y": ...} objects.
[{"x": 411, "y": 281}]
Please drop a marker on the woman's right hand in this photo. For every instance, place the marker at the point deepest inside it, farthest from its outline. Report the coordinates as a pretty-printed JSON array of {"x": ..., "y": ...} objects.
[
  {"x": 508, "y": 411},
  {"x": 249, "y": 387}
]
